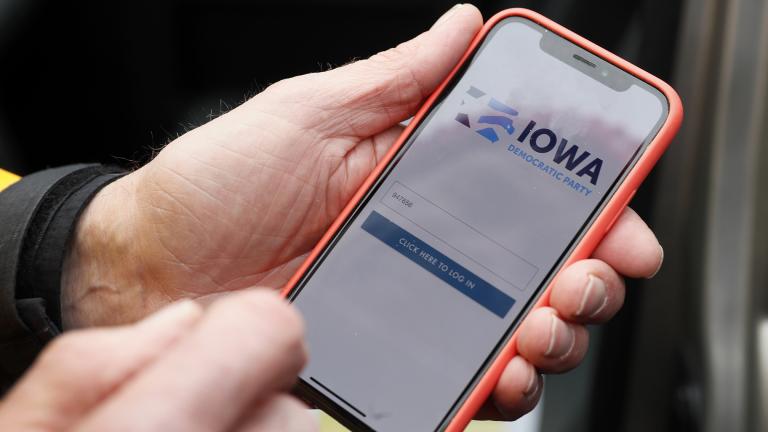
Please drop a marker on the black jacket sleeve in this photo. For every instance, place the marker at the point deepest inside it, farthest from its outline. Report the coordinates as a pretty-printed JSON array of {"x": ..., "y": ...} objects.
[{"x": 38, "y": 215}]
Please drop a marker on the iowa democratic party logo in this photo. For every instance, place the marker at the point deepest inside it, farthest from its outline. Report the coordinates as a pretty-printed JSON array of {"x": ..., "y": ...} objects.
[
  {"x": 503, "y": 118},
  {"x": 497, "y": 124}
]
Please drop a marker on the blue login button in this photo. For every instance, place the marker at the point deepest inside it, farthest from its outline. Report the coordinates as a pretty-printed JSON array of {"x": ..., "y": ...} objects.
[{"x": 446, "y": 269}]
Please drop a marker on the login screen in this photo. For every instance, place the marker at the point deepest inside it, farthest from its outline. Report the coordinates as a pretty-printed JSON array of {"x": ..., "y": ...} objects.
[{"x": 482, "y": 203}]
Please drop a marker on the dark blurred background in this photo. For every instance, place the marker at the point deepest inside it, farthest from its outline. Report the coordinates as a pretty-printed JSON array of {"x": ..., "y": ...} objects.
[
  {"x": 111, "y": 81},
  {"x": 99, "y": 81}
]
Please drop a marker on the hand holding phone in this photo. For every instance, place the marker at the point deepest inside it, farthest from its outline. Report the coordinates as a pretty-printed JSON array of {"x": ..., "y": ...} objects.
[
  {"x": 280, "y": 168},
  {"x": 515, "y": 168}
]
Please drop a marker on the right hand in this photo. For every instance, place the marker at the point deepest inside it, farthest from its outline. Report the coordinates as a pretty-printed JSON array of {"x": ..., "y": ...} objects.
[{"x": 225, "y": 368}]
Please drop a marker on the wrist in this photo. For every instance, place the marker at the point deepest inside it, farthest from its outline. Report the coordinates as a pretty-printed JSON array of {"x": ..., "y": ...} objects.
[{"x": 101, "y": 275}]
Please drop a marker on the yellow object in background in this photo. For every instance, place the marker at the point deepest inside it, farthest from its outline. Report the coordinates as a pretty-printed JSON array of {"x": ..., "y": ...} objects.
[
  {"x": 7, "y": 179},
  {"x": 328, "y": 424}
]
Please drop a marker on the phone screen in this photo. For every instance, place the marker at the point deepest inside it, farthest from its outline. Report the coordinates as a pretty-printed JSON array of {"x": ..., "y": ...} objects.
[{"x": 434, "y": 269}]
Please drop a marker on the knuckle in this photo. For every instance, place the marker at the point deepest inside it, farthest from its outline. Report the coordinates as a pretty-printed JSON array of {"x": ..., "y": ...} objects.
[
  {"x": 395, "y": 58},
  {"x": 397, "y": 65},
  {"x": 291, "y": 89}
]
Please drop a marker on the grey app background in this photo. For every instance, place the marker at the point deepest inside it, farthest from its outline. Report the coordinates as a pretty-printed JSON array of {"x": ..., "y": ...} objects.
[{"x": 400, "y": 344}]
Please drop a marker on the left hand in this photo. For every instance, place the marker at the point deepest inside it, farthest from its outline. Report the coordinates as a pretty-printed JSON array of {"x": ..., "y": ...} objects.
[
  {"x": 184, "y": 368},
  {"x": 239, "y": 202}
]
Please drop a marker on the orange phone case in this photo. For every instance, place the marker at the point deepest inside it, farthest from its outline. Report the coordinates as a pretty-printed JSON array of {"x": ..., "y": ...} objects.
[{"x": 613, "y": 208}]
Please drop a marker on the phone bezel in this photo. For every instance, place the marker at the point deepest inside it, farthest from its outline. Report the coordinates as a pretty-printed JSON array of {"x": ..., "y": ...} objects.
[{"x": 293, "y": 289}]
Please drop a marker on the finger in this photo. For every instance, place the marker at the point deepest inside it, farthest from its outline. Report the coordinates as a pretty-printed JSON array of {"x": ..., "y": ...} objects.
[
  {"x": 517, "y": 392},
  {"x": 588, "y": 292},
  {"x": 80, "y": 368},
  {"x": 551, "y": 344},
  {"x": 246, "y": 347},
  {"x": 631, "y": 248},
  {"x": 369, "y": 96},
  {"x": 281, "y": 413}
]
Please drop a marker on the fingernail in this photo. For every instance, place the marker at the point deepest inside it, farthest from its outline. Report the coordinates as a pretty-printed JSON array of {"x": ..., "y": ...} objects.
[
  {"x": 594, "y": 298},
  {"x": 562, "y": 339},
  {"x": 518, "y": 366},
  {"x": 661, "y": 262},
  {"x": 533, "y": 385},
  {"x": 447, "y": 15}
]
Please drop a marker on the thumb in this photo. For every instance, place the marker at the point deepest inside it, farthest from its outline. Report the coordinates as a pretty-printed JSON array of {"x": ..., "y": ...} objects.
[{"x": 368, "y": 96}]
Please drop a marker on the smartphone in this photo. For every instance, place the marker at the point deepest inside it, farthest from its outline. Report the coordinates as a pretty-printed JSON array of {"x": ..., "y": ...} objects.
[{"x": 516, "y": 166}]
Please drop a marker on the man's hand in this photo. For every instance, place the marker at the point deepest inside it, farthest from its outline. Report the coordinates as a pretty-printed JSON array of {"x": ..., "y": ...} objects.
[
  {"x": 239, "y": 202},
  {"x": 223, "y": 369}
]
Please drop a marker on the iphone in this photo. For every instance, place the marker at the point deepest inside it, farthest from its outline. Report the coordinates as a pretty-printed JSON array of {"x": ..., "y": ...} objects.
[{"x": 516, "y": 166}]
